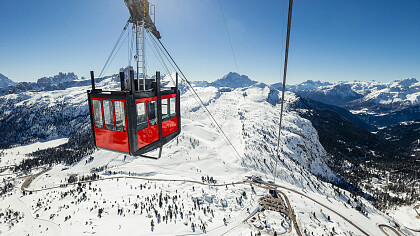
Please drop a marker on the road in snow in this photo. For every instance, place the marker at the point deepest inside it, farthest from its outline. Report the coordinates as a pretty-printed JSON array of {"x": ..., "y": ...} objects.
[{"x": 239, "y": 219}]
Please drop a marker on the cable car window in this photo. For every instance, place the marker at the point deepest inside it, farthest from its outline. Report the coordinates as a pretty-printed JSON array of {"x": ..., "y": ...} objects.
[
  {"x": 172, "y": 105},
  {"x": 152, "y": 113},
  {"x": 119, "y": 115},
  {"x": 97, "y": 113},
  {"x": 108, "y": 114},
  {"x": 165, "y": 109},
  {"x": 141, "y": 116}
]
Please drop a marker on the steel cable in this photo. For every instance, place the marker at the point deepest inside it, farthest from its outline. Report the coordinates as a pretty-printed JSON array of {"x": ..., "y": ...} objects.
[
  {"x": 113, "y": 49},
  {"x": 230, "y": 40},
  {"x": 289, "y": 24},
  {"x": 184, "y": 78}
]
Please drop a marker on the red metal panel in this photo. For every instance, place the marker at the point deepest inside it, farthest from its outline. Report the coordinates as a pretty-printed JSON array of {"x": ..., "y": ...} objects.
[
  {"x": 169, "y": 126},
  {"x": 169, "y": 96},
  {"x": 146, "y": 99},
  {"x": 109, "y": 139},
  {"x": 148, "y": 135},
  {"x": 151, "y": 133},
  {"x": 112, "y": 140}
]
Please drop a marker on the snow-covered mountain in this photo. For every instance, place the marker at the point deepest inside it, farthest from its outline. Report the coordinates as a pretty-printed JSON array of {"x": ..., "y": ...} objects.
[
  {"x": 61, "y": 78},
  {"x": 338, "y": 94},
  {"x": 201, "y": 83},
  {"x": 386, "y": 97},
  {"x": 58, "y": 82},
  {"x": 59, "y": 113},
  {"x": 55, "y": 107},
  {"x": 372, "y": 96},
  {"x": 5, "y": 82},
  {"x": 307, "y": 85},
  {"x": 144, "y": 196},
  {"x": 376, "y": 103},
  {"x": 231, "y": 80}
]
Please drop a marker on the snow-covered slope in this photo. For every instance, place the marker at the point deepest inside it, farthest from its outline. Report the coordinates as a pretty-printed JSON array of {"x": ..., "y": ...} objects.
[
  {"x": 128, "y": 198},
  {"x": 252, "y": 122},
  {"x": 247, "y": 113},
  {"x": 5, "y": 82},
  {"x": 32, "y": 115}
]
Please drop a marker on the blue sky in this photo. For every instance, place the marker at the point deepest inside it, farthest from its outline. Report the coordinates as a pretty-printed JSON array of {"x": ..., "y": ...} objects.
[{"x": 331, "y": 40}]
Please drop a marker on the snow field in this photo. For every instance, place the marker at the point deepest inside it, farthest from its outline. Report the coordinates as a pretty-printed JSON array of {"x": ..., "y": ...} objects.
[{"x": 107, "y": 207}]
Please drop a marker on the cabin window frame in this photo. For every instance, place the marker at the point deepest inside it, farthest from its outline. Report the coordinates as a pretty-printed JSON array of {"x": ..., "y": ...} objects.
[
  {"x": 172, "y": 108},
  {"x": 97, "y": 118},
  {"x": 122, "y": 117},
  {"x": 144, "y": 123},
  {"x": 108, "y": 114},
  {"x": 165, "y": 109},
  {"x": 154, "y": 121}
]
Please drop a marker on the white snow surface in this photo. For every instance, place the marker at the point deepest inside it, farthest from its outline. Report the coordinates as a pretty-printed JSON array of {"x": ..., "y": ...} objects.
[
  {"x": 408, "y": 215},
  {"x": 250, "y": 121},
  {"x": 14, "y": 156}
]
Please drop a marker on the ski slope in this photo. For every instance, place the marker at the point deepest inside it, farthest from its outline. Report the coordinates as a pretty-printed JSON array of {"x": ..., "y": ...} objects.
[{"x": 125, "y": 199}]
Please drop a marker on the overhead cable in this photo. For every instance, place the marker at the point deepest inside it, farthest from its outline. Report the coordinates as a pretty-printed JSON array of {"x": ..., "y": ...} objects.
[
  {"x": 289, "y": 24},
  {"x": 113, "y": 49},
  {"x": 230, "y": 40},
  {"x": 183, "y": 77}
]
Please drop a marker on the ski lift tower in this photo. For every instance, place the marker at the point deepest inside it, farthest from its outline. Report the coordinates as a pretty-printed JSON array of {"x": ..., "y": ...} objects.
[{"x": 141, "y": 12}]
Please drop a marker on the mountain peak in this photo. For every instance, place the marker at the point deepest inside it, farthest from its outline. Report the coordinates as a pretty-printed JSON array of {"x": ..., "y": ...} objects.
[
  {"x": 407, "y": 82},
  {"x": 233, "y": 80},
  {"x": 4, "y": 81},
  {"x": 57, "y": 79}
]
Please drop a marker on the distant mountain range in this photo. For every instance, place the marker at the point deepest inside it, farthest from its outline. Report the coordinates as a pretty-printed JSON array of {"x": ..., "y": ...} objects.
[
  {"x": 374, "y": 98},
  {"x": 61, "y": 81},
  {"x": 375, "y": 103},
  {"x": 392, "y": 108},
  {"x": 364, "y": 97}
]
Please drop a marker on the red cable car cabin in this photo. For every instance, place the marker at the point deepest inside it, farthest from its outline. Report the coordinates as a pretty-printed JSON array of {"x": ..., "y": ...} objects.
[{"x": 135, "y": 121}]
